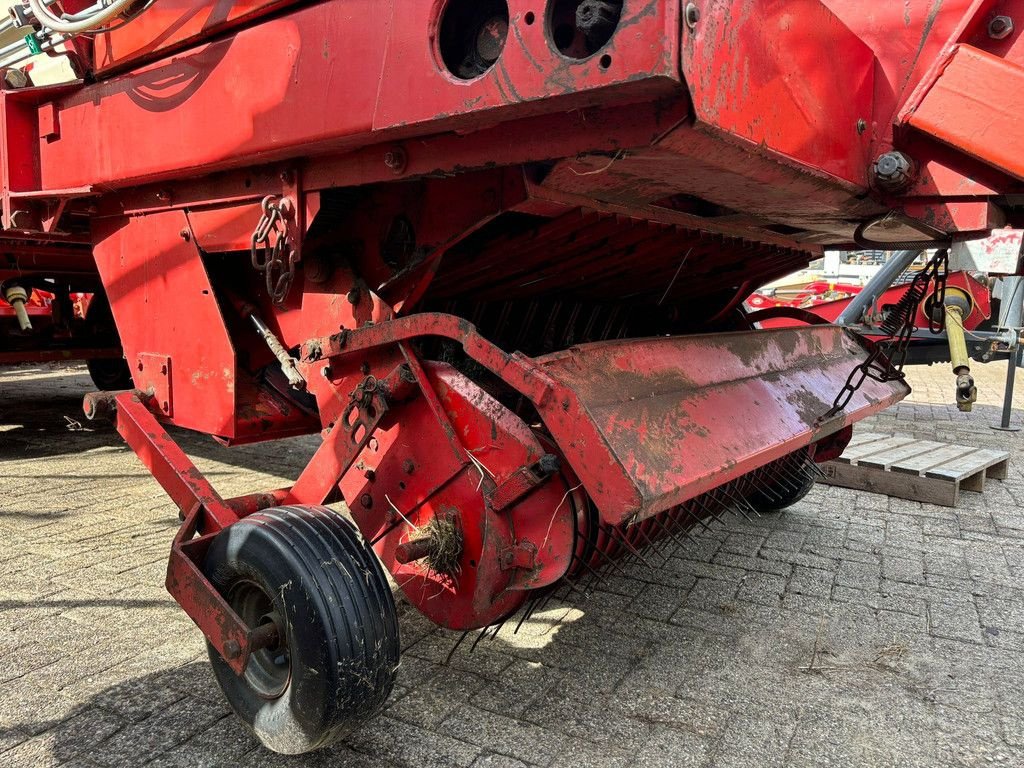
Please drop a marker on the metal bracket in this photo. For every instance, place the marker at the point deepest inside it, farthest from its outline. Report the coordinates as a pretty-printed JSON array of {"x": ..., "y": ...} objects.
[
  {"x": 347, "y": 437},
  {"x": 154, "y": 376},
  {"x": 522, "y": 555},
  {"x": 521, "y": 482}
]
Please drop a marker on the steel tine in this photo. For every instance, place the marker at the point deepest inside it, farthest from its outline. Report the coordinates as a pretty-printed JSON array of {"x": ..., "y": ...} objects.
[
  {"x": 708, "y": 507},
  {"x": 738, "y": 504},
  {"x": 680, "y": 524},
  {"x": 451, "y": 653},
  {"x": 479, "y": 637},
  {"x": 628, "y": 544},
  {"x": 791, "y": 473},
  {"x": 667, "y": 531},
  {"x": 497, "y": 628},
  {"x": 546, "y": 599},
  {"x": 574, "y": 588},
  {"x": 527, "y": 612},
  {"x": 594, "y": 574},
  {"x": 695, "y": 516},
  {"x": 654, "y": 547},
  {"x": 766, "y": 488},
  {"x": 609, "y": 561}
]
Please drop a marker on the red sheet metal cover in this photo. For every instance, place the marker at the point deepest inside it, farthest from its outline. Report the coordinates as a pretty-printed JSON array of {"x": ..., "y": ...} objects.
[{"x": 648, "y": 424}]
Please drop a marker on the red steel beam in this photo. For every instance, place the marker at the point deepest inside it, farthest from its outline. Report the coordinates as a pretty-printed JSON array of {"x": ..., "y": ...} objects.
[{"x": 975, "y": 106}]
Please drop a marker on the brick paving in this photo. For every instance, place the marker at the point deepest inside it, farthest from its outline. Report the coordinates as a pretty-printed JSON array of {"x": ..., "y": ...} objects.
[{"x": 853, "y": 630}]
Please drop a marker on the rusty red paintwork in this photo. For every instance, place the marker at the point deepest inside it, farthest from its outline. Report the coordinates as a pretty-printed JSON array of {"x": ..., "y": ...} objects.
[{"x": 595, "y": 217}]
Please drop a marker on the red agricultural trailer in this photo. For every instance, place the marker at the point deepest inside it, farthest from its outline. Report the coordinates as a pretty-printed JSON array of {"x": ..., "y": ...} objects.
[{"x": 494, "y": 252}]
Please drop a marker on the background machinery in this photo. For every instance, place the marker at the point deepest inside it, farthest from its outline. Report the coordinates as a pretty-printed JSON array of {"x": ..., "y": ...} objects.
[{"x": 495, "y": 253}]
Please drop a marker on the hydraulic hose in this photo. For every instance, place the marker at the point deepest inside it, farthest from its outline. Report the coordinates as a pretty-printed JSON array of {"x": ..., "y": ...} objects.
[{"x": 57, "y": 24}]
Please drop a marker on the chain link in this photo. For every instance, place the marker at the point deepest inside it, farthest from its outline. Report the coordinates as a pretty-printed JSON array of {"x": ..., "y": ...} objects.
[
  {"x": 887, "y": 357},
  {"x": 271, "y": 249}
]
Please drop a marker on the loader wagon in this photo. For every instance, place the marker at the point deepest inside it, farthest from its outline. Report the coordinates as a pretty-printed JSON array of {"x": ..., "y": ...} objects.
[{"x": 495, "y": 253}]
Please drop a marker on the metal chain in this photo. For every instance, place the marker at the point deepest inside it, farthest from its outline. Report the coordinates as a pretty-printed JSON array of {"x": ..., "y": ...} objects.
[
  {"x": 887, "y": 357},
  {"x": 271, "y": 250}
]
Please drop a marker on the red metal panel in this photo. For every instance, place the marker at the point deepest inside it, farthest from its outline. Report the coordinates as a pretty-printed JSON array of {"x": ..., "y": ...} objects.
[
  {"x": 975, "y": 105},
  {"x": 311, "y": 80},
  {"x": 306, "y": 76},
  {"x": 164, "y": 304},
  {"x": 415, "y": 88},
  {"x": 648, "y": 424},
  {"x": 170, "y": 24},
  {"x": 767, "y": 72}
]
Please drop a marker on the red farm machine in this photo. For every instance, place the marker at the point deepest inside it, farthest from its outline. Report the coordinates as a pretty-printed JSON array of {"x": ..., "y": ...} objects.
[{"x": 495, "y": 252}]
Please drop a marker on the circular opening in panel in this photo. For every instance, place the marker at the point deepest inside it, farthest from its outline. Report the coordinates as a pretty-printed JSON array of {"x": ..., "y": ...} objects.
[
  {"x": 472, "y": 36},
  {"x": 580, "y": 28}
]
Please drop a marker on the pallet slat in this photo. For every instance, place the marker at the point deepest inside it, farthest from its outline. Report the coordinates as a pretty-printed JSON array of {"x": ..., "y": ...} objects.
[
  {"x": 922, "y": 470},
  {"x": 852, "y": 455}
]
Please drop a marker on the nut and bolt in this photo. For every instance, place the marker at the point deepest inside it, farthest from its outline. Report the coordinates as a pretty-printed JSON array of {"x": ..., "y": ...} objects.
[
  {"x": 353, "y": 296},
  {"x": 232, "y": 650},
  {"x": 893, "y": 170},
  {"x": 1000, "y": 27},
  {"x": 396, "y": 159},
  {"x": 408, "y": 466},
  {"x": 692, "y": 15}
]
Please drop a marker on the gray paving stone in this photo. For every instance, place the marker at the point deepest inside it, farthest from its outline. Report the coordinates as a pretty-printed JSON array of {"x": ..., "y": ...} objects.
[{"x": 913, "y": 614}]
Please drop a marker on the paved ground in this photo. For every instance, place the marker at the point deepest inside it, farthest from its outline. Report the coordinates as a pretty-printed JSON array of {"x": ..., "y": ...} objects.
[{"x": 853, "y": 631}]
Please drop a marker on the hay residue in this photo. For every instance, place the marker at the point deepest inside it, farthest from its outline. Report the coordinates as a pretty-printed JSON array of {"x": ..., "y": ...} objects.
[{"x": 445, "y": 544}]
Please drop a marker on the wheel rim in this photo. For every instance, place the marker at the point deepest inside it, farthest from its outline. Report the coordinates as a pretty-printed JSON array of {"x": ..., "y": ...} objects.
[{"x": 269, "y": 669}]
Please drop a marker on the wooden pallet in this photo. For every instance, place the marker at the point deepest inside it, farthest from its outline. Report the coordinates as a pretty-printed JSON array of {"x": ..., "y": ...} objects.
[{"x": 921, "y": 470}]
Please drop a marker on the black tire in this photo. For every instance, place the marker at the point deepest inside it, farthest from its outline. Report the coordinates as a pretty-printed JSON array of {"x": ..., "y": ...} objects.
[
  {"x": 340, "y": 646},
  {"x": 110, "y": 374},
  {"x": 789, "y": 488}
]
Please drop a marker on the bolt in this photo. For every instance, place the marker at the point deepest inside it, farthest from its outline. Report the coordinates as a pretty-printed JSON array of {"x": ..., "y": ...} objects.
[
  {"x": 166, "y": 406},
  {"x": 396, "y": 159},
  {"x": 893, "y": 171},
  {"x": 366, "y": 500},
  {"x": 15, "y": 78},
  {"x": 163, "y": 369},
  {"x": 232, "y": 650},
  {"x": 408, "y": 466},
  {"x": 862, "y": 125},
  {"x": 692, "y": 14},
  {"x": 185, "y": 235},
  {"x": 370, "y": 475},
  {"x": 353, "y": 296},
  {"x": 327, "y": 372},
  {"x": 1000, "y": 27},
  {"x": 287, "y": 177}
]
